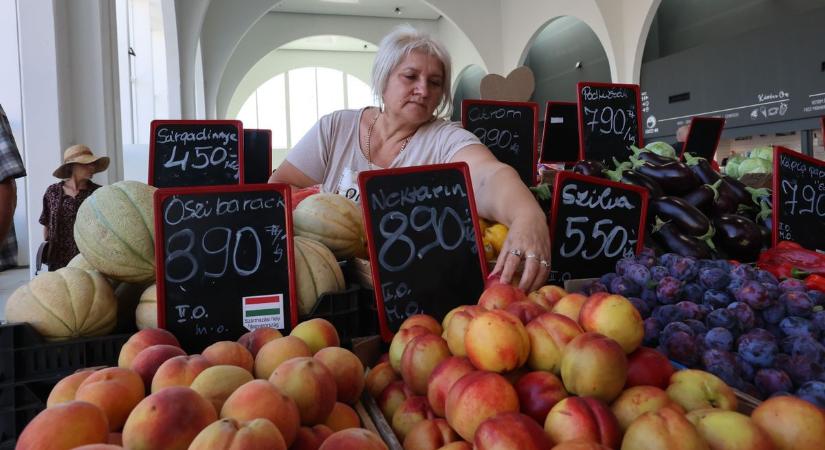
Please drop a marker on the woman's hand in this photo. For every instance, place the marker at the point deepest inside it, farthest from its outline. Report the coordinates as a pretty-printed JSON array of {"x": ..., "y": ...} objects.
[{"x": 526, "y": 249}]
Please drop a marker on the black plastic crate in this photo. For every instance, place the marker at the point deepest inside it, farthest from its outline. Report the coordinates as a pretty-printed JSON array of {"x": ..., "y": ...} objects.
[
  {"x": 345, "y": 310},
  {"x": 12, "y": 423}
]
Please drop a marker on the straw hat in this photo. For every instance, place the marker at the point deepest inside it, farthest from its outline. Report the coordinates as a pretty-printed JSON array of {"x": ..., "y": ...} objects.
[{"x": 80, "y": 154}]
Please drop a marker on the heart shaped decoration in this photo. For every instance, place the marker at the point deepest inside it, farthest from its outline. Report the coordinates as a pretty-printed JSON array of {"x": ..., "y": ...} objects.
[{"x": 517, "y": 87}]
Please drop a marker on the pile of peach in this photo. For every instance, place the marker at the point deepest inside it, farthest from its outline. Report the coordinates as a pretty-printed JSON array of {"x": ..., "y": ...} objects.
[
  {"x": 563, "y": 371},
  {"x": 265, "y": 391}
]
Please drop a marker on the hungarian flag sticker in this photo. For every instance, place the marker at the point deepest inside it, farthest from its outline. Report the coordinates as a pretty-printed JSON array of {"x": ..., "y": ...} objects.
[{"x": 263, "y": 311}]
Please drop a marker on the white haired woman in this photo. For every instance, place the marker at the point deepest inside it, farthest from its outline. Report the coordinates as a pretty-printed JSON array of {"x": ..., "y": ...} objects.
[{"x": 411, "y": 78}]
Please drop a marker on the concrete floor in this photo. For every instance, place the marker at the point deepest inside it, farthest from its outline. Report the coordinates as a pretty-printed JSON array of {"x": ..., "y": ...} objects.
[{"x": 10, "y": 280}]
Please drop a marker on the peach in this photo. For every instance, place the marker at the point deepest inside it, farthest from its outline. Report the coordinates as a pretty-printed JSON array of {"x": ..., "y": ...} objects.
[
  {"x": 307, "y": 381},
  {"x": 422, "y": 320},
  {"x": 260, "y": 399},
  {"x": 455, "y": 330},
  {"x": 353, "y": 439},
  {"x": 399, "y": 343},
  {"x": 446, "y": 320},
  {"x": 429, "y": 434},
  {"x": 457, "y": 445},
  {"x": 115, "y": 390},
  {"x": 791, "y": 423},
  {"x": 538, "y": 392},
  {"x": 147, "y": 362},
  {"x": 179, "y": 371},
  {"x": 421, "y": 355},
  {"x": 580, "y": 444},
  {"x": 498, "y": 295},
  {"x": 217, "y": 383},
  {"x": 379, "y": 377},
  {"x": 413, "y": 410},
  {"x": 549, "y": 333},
  {"x": 167, "y": 419},
  {"x": 66, "y": 388},
  {"x": 347, "y": 370},
  {"x": 228, "y": 434},
  {"x": 664, "y": 429},
  {"x": 65, "y": 426},
  {"x": 342, "y": 417},
  {"x": 99, "y": 447},
  {"x": 311, "y": 438},
  {"x": 552, "y": 292},
  {"x": 257, "y": 338},
  {"x": 539, "y": 299},
  {"x": 146, "y": 337},
  {"x": 392, "y": 397},
  {"x": 595, "y": 366},
  {"x": 615, "y": 317},
  {"x": 116, "y": 439},
  {"x": 497, "y": 341},
  {"x": 477, "y": 396},
  {"x": 317, "y": 333},
  {"x": 510, "y": 430},
  {"x": 637, "y": 400},
  {"x": 570, "y": 305},
  {"x": 442, "y": 378},
  {"x": 229, "y": 353},
  {"x": 525, "y": 311},
  {"x": 697, "y": 389},
  {"x": 647, "y": 366},
  {"x": 275, "y": 352},
  {"x": 729, "y": 430},
  {"x": 584, "y": 418}
]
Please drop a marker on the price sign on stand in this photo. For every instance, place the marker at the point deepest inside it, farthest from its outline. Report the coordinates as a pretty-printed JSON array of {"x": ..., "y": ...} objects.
[
  {"x": 608, "y": 120},
  {"x": 195, "y": 153},
  {"x": 257, "y": 155},
  {"x": 224, "y": 262},
  {"x": 560, "y": 136},
  {"x": 508, "y": 129},
  {"x": 798, "y": 199},
  {"x": 423, "y": 239},
  {"x": 703, "y": 137},
  {"x": 595, "y": 222}
]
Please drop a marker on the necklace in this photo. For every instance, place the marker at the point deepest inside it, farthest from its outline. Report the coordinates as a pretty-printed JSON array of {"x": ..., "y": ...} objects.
[{"x": 369, "y": 138}]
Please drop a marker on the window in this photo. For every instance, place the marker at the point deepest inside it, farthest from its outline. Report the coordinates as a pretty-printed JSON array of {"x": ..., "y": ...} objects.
[{"x": 290, "y": 103}]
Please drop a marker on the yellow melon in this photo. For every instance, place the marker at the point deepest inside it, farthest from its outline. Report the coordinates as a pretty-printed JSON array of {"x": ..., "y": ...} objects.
[
  {"x": 316, "y": 272},
  {"x": 146, "y": 314},
  {"x": 332, "y": 220}
]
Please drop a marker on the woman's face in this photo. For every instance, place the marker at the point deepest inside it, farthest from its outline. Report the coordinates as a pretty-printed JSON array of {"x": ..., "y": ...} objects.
[
  {"x": 415, "y": 87},
  {"x": 83, "y": 171}
]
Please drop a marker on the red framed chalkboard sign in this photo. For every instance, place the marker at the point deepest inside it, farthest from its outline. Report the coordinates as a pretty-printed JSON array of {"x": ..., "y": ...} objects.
[
  {"x": 509, "y": 130},
  {"x": 594, "y": 223},
  {"x": 423, "y": 238},
  {"x": 560, "y": 134},
  {"x": 196, "y": 153},
  {"x": 798, "y": 199},
  {"x": 257, "y": 155},
  {"x": 224, "y": 262},
  {"x": 608, "y": 120},
  {"x": 822, "y": 128},
  {"x": 703, "y": 137}
]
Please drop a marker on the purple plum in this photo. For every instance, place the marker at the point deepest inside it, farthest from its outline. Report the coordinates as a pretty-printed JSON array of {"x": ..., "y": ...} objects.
[
  {"x": 754, "y": 294},
  {"x": 719, "y": 338},
  {"x": 791, "y": 284},
  {"x": 802, "y": 369},
  {"x": 804, "y": 345},
  {"x": 814, "y": 392},
  {"x": 641, "y": 306},
  {"x": 797, "y": 326},
  {"x": 689, "y": 310},
  {"x": 774, "y": 314},
  {"x": 713, "y": 278},
  {"x": 666, "y": 314},
  {"x": 693, "y": 292},
  {"x": 744, "y": 315},
  {"x": 743, "y": 272},
  {"x": 668, "y": 290},
  {"x": 722, "y": 364},
  {"x": 763, "y": 276},
  {"x": 797, "y": 303},
  {"x": 658, "y": 272},
  {"x": 721, "y": 318},
  {"x": 624, "y": 287},
  {"x": 697, "y": 326},
  {"x": 758, "y": 347},
  {"x": 716, "y": 299},
  {"x": 684, "y": 268},
  {"x": 770, "y": 381},
  {"x": 638, "y": 274},
  {"x": 652, "y": 331}
]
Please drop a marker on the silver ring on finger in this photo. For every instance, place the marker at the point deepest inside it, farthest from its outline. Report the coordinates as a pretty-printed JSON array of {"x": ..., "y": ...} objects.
[
  {"x": 531, "y": 255},
  {"x": 544, "y": 263},
  {"x": 515, "y": 252}
]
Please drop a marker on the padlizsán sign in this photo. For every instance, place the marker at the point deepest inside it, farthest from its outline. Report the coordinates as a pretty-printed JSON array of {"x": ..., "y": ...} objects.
[
  {"x": 257, "y": 155},
  {"x": 560, "y": 134},
  {"x": 608, "y": 120},
  {"x": 798, "y": 199}
]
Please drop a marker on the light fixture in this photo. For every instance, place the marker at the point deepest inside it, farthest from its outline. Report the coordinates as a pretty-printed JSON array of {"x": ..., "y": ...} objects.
[
  {"x": 398, "y": 10},
  {"x": 578, "y": 64}
]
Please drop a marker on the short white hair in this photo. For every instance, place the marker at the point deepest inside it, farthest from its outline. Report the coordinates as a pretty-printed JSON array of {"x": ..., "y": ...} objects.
[{"x": 394, "y": 47}]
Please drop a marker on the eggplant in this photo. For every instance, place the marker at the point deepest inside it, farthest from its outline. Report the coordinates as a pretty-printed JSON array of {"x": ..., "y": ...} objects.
[
  {"x": 738, "y": 236},
  {"x": 589, "y": 168},
  {"x": 727, "y": 202},
  {"x": 767, "y": 235},
  {"x": 702, "y": 198},
  {"x": 684, "y": 215},
  {"x": 739, "y": 191},
  {"x": 636, "y": 179},
  {"x": 669, "y": 236},
  {"x": 702, "y": 169},
  {"x": 649, "y": 156},
  {"x": 675, "y": 177}
]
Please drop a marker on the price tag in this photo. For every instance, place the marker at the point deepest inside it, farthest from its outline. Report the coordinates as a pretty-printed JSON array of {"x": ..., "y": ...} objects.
[
  {"x": 224, "y": 262},
  {"x": 798, "y": 199},
  {"x": 195, "y": 153},
  {"x": 423, "y": 240},
  {"x": 608, "y": 120},
  {"x": 703, "y": 137},
  {"x": 560, "y": 138},
  {"x": 595, "y": 222},
  {"x": 257, "y": 155}
]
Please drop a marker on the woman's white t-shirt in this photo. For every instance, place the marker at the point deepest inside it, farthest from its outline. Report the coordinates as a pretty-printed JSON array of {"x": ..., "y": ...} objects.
[{"x": 330, "y": 152}]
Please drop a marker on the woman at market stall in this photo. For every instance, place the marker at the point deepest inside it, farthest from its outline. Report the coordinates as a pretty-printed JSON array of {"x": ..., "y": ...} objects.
[
  {"x": 62, "y": 200},
  {"x": 411, "y": 79}
]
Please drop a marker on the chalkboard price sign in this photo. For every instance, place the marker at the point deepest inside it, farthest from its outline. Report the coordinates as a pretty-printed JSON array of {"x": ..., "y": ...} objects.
[
  {"x": 257, "y": 155},
  {"x": 423, "y": 239},
  {"x": 703, "y": 137},
  {"x": 195, "y": 153},
  {"x": 224, "y": 262},
  {"x": 595, "y": 222},
  {"x": 509, "y": 130},
  {"x": 608, "y": 120},
  {"x": 798, "y": 199},
  {"x": 560, "y": 137}
]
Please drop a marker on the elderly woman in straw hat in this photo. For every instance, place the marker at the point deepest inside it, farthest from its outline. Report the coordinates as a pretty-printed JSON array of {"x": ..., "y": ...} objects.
[{"x": 62, "y": 199}]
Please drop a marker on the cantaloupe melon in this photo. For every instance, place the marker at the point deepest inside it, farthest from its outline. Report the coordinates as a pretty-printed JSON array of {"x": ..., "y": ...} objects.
[
  {"x": 332, "y": 220},
  {"x": 146, "y": 314},
  {"x": 316, "y": 272}
]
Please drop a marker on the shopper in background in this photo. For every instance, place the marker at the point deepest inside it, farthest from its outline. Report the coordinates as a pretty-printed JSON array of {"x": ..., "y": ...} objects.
[
  {"x": 62, "y": 199},
  {"x": 681, "y": 138},
  {"x": 411, "y": 79},
  {"x": 11, "y": 167}
]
